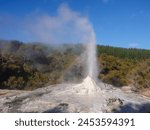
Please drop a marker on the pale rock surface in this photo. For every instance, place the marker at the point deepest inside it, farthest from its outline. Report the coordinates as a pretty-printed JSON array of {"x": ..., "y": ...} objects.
[{"x": 87, "y": 96}]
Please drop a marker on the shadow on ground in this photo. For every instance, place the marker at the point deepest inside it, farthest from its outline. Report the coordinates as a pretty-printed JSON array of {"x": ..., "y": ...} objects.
[
  {"x": 128, "y": 108},
  {"x": 134, "y": 108}
]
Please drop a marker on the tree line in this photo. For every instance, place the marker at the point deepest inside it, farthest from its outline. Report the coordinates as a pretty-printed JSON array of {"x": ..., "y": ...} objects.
[{"x": 126, "y": 53}]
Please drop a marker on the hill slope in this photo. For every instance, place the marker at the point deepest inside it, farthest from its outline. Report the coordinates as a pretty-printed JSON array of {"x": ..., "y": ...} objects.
[{"x": 30, "y": 66}]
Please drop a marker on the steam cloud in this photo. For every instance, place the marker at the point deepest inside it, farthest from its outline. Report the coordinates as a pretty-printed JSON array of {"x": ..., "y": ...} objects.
[{"x": 67, "y": 26}]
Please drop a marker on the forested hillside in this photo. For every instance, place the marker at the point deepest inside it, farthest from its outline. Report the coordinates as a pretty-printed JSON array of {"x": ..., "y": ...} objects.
[
  {"x": 34, "y": 65},
  {"x": 124, "y": 53},
  {"x": 122, "y": 67},
  {"x": 30, "y": 66}
]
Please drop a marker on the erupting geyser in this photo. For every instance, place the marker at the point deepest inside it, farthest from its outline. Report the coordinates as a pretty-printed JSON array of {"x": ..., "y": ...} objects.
[
  {"x": 92, "y": 69},
  {"x": 92, "y": 66},
  {"x": 89, "y": 83},
  {"x": 68, "y": 26}
]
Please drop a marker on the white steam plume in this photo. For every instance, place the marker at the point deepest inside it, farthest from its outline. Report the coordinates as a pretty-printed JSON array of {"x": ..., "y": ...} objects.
[{"x": 66, "y": 26}]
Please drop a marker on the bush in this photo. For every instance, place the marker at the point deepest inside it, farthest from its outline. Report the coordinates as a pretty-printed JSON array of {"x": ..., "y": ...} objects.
[
  {"x": 114, "y": 70},
  {"x": 139, "y": 77}
]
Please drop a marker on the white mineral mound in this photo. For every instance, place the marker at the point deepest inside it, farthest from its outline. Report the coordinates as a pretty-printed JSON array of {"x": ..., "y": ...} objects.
[{"x": 88, "y": 86}]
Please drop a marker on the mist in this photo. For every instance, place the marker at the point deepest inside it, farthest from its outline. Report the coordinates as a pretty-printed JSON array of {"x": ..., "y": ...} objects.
[{"x": 67, "y": 26}]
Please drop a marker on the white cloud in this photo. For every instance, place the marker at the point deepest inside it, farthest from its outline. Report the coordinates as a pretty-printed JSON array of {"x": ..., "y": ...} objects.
[
  {"x": 65, "y": 27},
  {"x": 133, "y": 45}
]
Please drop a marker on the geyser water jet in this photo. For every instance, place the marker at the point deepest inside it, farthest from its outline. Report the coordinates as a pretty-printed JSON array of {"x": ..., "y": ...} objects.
[{"x": 92, "y": 66}]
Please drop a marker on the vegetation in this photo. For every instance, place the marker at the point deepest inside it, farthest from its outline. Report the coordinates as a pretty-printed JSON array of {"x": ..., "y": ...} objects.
[
  {"x": 30, "y": 66},
  {"x": 115, "y": 70},
  {"x": 124, "y": 53},
  {"x": 140, "y": 75},
  {"x": 121, "y": 67},
  {"x": 34, "y": 65}
]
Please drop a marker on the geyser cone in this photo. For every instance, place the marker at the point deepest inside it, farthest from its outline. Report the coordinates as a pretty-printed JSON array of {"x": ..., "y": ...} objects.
[{"x": 88, "y": 86}]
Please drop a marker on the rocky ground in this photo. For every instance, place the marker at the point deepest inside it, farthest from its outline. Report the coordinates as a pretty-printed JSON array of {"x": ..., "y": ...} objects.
[{"x": 87, "y": 96}]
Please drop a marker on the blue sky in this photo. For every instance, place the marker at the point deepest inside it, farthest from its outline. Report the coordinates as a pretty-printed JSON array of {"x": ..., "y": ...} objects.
[{"x": 123, "y": 23}]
